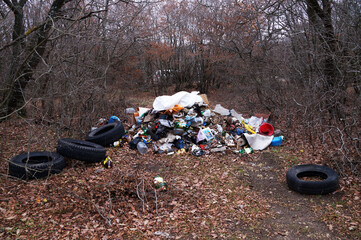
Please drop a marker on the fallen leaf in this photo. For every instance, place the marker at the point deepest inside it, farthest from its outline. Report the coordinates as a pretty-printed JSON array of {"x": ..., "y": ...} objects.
[{"x": 11, "y": 217}]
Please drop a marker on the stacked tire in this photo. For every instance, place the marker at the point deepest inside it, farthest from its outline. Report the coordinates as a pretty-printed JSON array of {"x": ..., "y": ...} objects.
[
  {"x": 34, "y": 165},
  {"x": 81, "y": 150},
  {"x": 107, "y": 134}
]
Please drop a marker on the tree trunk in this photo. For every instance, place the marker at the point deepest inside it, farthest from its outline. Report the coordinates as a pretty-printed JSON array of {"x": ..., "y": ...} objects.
[
  {"x": 325, "y": 32},
  {"x": 13, "y": 87},
  {"x": 321, "y": 21}
]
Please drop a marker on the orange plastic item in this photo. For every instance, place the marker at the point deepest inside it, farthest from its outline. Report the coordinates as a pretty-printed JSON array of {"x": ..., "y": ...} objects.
[{"x": 175, "y": 109}]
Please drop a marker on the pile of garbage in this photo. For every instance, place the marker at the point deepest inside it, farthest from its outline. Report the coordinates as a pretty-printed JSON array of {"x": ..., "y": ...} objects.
[{"x": 184, "y": 123}]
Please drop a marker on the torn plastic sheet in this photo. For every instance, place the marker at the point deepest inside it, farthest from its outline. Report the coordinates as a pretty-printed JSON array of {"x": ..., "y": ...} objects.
[
  {"x": 183, "y": 98},
  {"x": 258, "y": 141},
  {"x": 237, "y": 115},
  {"x": 225, "y": 112},
  {"x": 221, "y": 110}
]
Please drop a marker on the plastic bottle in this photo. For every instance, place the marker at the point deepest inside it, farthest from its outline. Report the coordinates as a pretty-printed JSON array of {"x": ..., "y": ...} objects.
[
  {"x": 246, "y": 150},
  {"x": 142, "y": 148},
  {"x": 219, "y": 128},
  {"x": 107, "y": 163},
  {"x": 219, "y": 149}
]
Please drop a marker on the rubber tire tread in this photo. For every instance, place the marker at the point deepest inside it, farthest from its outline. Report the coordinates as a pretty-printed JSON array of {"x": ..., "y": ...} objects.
[
  {"x": 20, "y": 168},
  {"x": 106, "y": 135},
  {"x": 327, "y": 185},
  {"x": 81, "y": 150}
]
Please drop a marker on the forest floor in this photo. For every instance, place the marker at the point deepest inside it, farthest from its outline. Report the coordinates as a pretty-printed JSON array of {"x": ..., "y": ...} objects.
[{"x": 216, "y": 196}]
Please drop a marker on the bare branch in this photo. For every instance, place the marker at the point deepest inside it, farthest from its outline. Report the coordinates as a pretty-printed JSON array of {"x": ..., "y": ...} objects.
[
  {"x": 17, "y": 110},
  {"x": 10, "y": 5}
]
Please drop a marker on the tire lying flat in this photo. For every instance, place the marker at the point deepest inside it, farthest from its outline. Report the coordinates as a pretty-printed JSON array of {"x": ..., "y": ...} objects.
[
  {"x": 107, "y": 134},
  {"x": 325, "y": 186},
  {"x": 81, "y": 150},
  {"x": 36, "y": 165}
]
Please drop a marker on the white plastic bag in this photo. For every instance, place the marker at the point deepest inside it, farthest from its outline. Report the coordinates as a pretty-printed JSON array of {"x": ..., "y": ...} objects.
[{"x": 183, "y": 98}]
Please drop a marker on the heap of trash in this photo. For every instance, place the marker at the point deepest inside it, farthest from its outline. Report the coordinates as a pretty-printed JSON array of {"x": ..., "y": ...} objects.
[
  {"x": 177, "y": 124},
  {"x": 184, "y": 122}
]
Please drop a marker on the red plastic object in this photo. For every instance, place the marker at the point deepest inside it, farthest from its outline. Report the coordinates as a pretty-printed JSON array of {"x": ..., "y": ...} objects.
[{"x": 266, "y": 129}]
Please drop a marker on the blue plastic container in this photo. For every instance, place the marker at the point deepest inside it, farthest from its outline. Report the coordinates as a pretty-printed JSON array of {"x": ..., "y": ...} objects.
[
  {"x": 113, "y": 119},
  {"x": 276, "y": 141}
]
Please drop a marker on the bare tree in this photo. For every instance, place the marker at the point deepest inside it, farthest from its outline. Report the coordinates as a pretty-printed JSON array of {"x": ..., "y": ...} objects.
[{"x": 23, "y": 62}]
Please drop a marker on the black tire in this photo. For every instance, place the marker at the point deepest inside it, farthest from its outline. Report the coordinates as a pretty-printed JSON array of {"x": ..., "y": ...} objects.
[
  {"x": 81, "y": 150},
  {"x": 36, "y": 165},
  {"x": 107, "y": 134},
  {"x": 327, "y": 185}
]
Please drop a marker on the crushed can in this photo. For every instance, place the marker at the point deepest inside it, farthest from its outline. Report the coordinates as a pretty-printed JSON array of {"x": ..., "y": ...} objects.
[
  {"x": 107, "y": 163},
  {"x": 159, "y": 183},
  {"x": 118, "y": 143}
]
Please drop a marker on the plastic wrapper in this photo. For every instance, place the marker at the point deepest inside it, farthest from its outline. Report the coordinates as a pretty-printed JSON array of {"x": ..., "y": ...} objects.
[{"x": 255, "y": 122}]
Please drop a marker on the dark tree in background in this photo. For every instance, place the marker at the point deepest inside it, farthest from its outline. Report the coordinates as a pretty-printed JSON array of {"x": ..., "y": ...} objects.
[{"x": 25, "y": 55}]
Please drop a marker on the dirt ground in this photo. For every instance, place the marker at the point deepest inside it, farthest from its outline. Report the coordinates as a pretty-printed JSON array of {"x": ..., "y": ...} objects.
[{"x": 294, "y": 215}]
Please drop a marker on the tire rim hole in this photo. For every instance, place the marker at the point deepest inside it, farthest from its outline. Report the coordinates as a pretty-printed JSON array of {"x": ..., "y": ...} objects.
[
  {"x": 84, "y": 145},
  {"x": 36, "y": 160},
  {"x": 312, "y": 176},
  {"x": 105, "y": 129}
]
